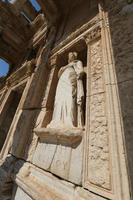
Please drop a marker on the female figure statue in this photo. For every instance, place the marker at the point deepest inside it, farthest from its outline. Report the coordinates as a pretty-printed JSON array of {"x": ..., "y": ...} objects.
[{"x": 68, "y": 111}]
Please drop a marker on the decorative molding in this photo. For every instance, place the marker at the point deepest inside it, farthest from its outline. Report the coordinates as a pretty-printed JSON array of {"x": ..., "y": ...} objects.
[
  {"x": 76, "y": 36},
  {"x": 32, "y": 180},
  {"x": 93, "y": 35},
  {"x": 22, "y": 73}
]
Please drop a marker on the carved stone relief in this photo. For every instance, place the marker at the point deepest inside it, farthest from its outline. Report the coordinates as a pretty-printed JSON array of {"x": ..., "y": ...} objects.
[{"x": 97, "y": 166}]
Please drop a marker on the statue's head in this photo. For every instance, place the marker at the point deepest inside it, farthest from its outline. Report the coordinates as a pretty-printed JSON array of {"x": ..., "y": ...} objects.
[{"x": 72, "y": 56}]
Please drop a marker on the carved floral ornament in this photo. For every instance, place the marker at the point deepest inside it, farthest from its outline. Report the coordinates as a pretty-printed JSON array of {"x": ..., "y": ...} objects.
[{"x": 92, "y": 35}]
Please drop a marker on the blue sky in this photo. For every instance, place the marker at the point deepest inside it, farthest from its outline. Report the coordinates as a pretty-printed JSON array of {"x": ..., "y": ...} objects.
[
  {"x": 4, "y": 67},
  {"x": 35, "y": 4}
]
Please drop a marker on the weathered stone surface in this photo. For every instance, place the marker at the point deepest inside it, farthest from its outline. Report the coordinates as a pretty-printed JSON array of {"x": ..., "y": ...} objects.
[
  {"x": 24, "y": 127},
  {"x": 60, "y": 159},
  {"x": 126, "y": 97},
  {"x": 94, "y": 163},
  {"x": 42, "y": 185},
  {"x": 76, "y": 162},
  {"x": 66, "y": 136},
  {"x": 44, "y": 155},
  {"x": 6, "y": 183},
  {"x": 97, "y": 155},
  {"x": 120, "y": 20},
  {"x": 21, "y": 195},
  {"x": 81, "y": 194}
]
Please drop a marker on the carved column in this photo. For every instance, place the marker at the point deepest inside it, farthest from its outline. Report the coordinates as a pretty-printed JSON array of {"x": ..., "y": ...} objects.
[
  {"x": 97, "y": 153},
  {"x": 105, "y": 171}
]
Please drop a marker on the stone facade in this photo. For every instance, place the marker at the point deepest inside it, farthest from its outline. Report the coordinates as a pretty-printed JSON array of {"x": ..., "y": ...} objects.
[{"x": 92, "y": 162}]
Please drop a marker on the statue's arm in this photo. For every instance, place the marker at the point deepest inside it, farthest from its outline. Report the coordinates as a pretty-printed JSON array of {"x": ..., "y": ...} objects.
[
  {"x": 79, "y": 69},
  {"x": 80, "y": 90}
]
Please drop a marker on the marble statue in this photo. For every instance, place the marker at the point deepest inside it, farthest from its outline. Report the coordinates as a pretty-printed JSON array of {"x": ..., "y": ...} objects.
[{"x": 68, "y": 105}]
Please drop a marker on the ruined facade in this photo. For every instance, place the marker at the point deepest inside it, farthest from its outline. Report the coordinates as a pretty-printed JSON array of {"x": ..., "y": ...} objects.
[{"x": 92, "y": 160}]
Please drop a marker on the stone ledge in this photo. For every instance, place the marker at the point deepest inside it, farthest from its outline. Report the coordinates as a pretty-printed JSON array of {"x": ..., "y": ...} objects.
[
  {"x": 39, "y": 184},
  {"x": 70, "y": 136}
]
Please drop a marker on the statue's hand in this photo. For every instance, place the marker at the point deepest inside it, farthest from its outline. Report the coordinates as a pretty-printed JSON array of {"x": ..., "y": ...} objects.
[
  {"x": 80, "y": 100},
  {"x": 80, "y": 75}
]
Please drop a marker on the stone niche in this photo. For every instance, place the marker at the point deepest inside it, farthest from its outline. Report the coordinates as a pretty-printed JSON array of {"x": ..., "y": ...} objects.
[
  {"x": 71, "y": 136},
  {"x": 60, "y": 151},
  {"x": 8, "y": 112}
]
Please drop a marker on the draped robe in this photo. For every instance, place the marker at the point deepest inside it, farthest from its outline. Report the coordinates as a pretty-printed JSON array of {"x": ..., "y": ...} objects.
[{"x": 68, "y": 111}]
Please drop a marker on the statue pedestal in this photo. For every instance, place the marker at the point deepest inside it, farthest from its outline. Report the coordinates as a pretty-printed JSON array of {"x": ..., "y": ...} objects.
[{"x": 67, "y": 137}]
